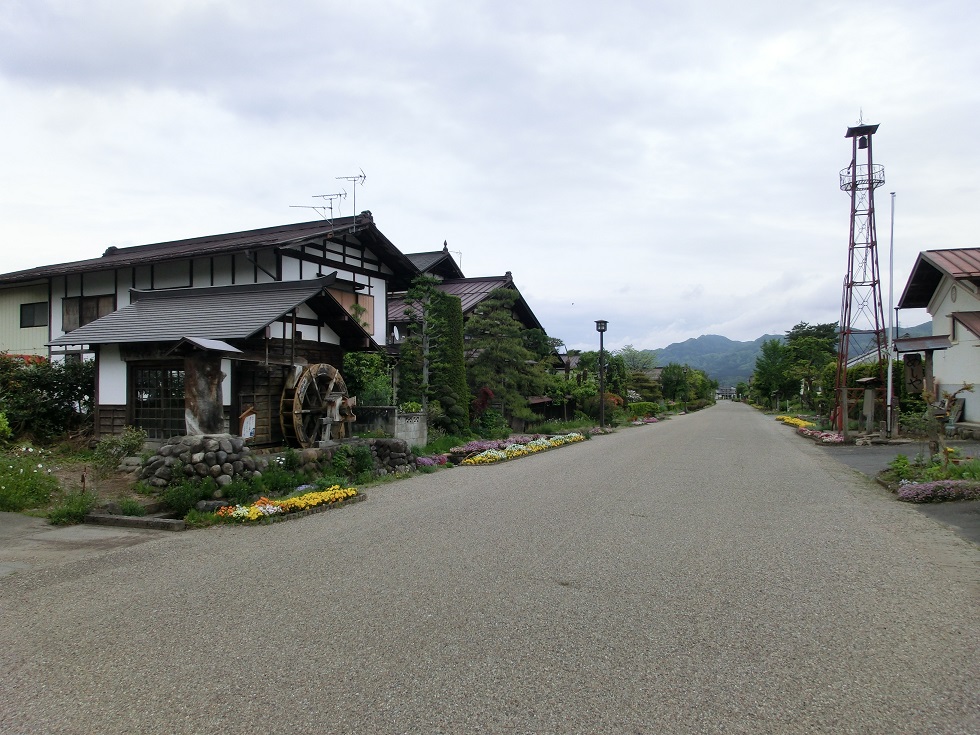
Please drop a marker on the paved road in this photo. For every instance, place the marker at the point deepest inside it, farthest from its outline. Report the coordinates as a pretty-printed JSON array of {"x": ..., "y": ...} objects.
[{"x": 710, "y": 574}]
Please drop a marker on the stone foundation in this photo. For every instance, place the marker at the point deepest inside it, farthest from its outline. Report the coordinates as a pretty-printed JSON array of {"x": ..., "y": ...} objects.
[{"x": 225, "y": 458}]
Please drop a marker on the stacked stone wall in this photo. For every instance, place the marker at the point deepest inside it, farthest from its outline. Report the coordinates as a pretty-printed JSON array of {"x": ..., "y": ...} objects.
[{"x": 225, "y": 458}]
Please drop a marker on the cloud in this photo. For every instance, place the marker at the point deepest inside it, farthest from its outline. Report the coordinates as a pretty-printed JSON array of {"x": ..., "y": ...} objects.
[{"x": 671, "y": 167}]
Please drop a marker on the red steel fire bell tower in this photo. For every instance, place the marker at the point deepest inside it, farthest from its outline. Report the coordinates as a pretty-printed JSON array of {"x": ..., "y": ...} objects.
[{"x": 862, "y": 320}]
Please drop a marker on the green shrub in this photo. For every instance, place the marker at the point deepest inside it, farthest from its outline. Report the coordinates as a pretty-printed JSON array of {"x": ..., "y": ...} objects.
[
  {"x": 180, "y": 497},
  {"x": 410, "y": 407},
  {"x": 25, "y": 482},
  {"x": 289, "y": 460},
  {"x": 643, "y": 408},
  {"x": 351, "y": 461},
  {"x": 73, "y": 508},
  {"x": 5, "y": 433},
  {"x": 966, "y": 471},
  {"x": 492, "y": 425},
  {"x": 239, "y": 491},
  {"x": 45, "y": 400},
  {"x": 901, "y": 467},
  {"x": 199, "y": 519},
  {"x": 111, "y": 450},
  {"x": 328, "y": 481},
  {"x": 131, "y": 507},
  {"x": 277, "y": 480}
]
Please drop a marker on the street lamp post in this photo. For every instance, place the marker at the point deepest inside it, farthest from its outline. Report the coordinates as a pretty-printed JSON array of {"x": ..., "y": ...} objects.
[
  {"x": 685, "y": 389},
  {"x": 600, "y": 327}
]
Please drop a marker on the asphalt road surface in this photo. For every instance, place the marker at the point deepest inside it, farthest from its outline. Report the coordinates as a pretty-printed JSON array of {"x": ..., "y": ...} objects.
[{"x": 709, "y": 574}]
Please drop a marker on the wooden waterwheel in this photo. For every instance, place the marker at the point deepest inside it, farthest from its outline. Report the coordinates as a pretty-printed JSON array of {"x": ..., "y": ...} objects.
[{"x": 316, "y": 408}]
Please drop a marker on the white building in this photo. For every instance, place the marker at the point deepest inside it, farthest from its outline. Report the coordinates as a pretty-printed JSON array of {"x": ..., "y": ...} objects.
[{"x": 947, "y": 284}]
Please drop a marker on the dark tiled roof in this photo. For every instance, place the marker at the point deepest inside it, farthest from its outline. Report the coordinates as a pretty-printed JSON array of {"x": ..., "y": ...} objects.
[
  {"x": 233, "y": 242},
  {"x": 471, "y": 292},
  {"x": 214, "y": 313},
  {"x": 439, "y": 263},
  {"x": 962, "y": 264}
]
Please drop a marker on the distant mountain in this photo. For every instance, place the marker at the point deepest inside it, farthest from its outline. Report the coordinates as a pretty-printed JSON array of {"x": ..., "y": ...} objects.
[{"x": 731, "y": 362}]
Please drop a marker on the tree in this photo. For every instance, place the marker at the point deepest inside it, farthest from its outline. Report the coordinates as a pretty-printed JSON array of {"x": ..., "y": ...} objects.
[
  {"x": 432, "y": 367},
  {"x": 367, "y": 375},
  {"x": 448, "y": 386},
  {"x": 499, "y": 358},
  {"x": 45, "y": 400},
  {"x": 811, "y": 348},
  {"x": 637, "y": 361},
  {"x": 673, "y": 381},
  {"x": 772, "y": 373}
]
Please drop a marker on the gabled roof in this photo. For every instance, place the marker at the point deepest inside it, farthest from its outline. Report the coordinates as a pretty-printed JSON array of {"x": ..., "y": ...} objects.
[
  {"x": 361, "y": 227},
  {"x": 962, "y": 264},
  {"x": 438, "y": 263},
  {"x": 216, "y": 313},
  {"x": 471, "y": 293}
]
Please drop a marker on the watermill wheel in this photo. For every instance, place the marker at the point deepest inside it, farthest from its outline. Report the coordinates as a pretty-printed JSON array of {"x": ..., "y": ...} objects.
[{"x": 303, "y": 408}]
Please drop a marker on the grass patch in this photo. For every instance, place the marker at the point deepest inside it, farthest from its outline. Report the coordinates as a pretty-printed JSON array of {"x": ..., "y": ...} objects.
[{"x": 73, "y": 508}]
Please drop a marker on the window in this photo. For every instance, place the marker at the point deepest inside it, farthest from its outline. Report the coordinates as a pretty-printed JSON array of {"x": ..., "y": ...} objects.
[
  {"x": 80, "y": 310},
  {"x": 34, "y": 315},
  {"x": 158, "y": 400}
]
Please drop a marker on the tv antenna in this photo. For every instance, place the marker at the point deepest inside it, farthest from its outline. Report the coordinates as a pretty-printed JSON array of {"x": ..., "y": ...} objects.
[
  {"x": 354, "y": 181},
  {"x": 324, "y": 208}
]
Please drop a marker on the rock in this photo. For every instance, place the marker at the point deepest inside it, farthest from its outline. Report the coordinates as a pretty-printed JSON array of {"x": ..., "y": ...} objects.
[
  {"x": 224, "y": 480},
  {"x": 210, "y": 506},
  {"x": 224, "y": 444}
]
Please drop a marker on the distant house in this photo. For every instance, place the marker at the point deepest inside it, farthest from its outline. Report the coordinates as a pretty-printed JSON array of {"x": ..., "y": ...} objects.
[
  {"x": 947, "y": 284},
  {"x": 471, "y": 292},
  {"x": 193, "y": 334}
]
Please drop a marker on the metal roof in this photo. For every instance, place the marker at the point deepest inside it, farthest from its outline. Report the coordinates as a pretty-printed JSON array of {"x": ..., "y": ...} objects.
[
  {"x": 361, "y": 227},
  {"x": 929, "y": 269},
  {"x": 921, "y": 344},
  {"x": 214, "y": 313}
]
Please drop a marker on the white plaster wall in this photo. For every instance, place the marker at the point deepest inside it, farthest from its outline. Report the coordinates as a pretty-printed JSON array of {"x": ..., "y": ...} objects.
[
  {"x": 112, "y": 376},
  {"x": 960, "y": 363}
]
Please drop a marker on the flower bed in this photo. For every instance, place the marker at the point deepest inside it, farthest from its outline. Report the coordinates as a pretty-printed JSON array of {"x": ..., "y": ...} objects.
[
  {"x": 824, "y": 437},
  {"x": 938, "y": 491},
  {"x": 265, "y": 509},
  {"x": 514, "y": 449},
  {"x": 796, "y": 421}
]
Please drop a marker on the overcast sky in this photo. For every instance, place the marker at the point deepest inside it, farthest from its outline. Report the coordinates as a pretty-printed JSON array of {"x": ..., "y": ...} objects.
[{"x": 669, "y": 166}]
